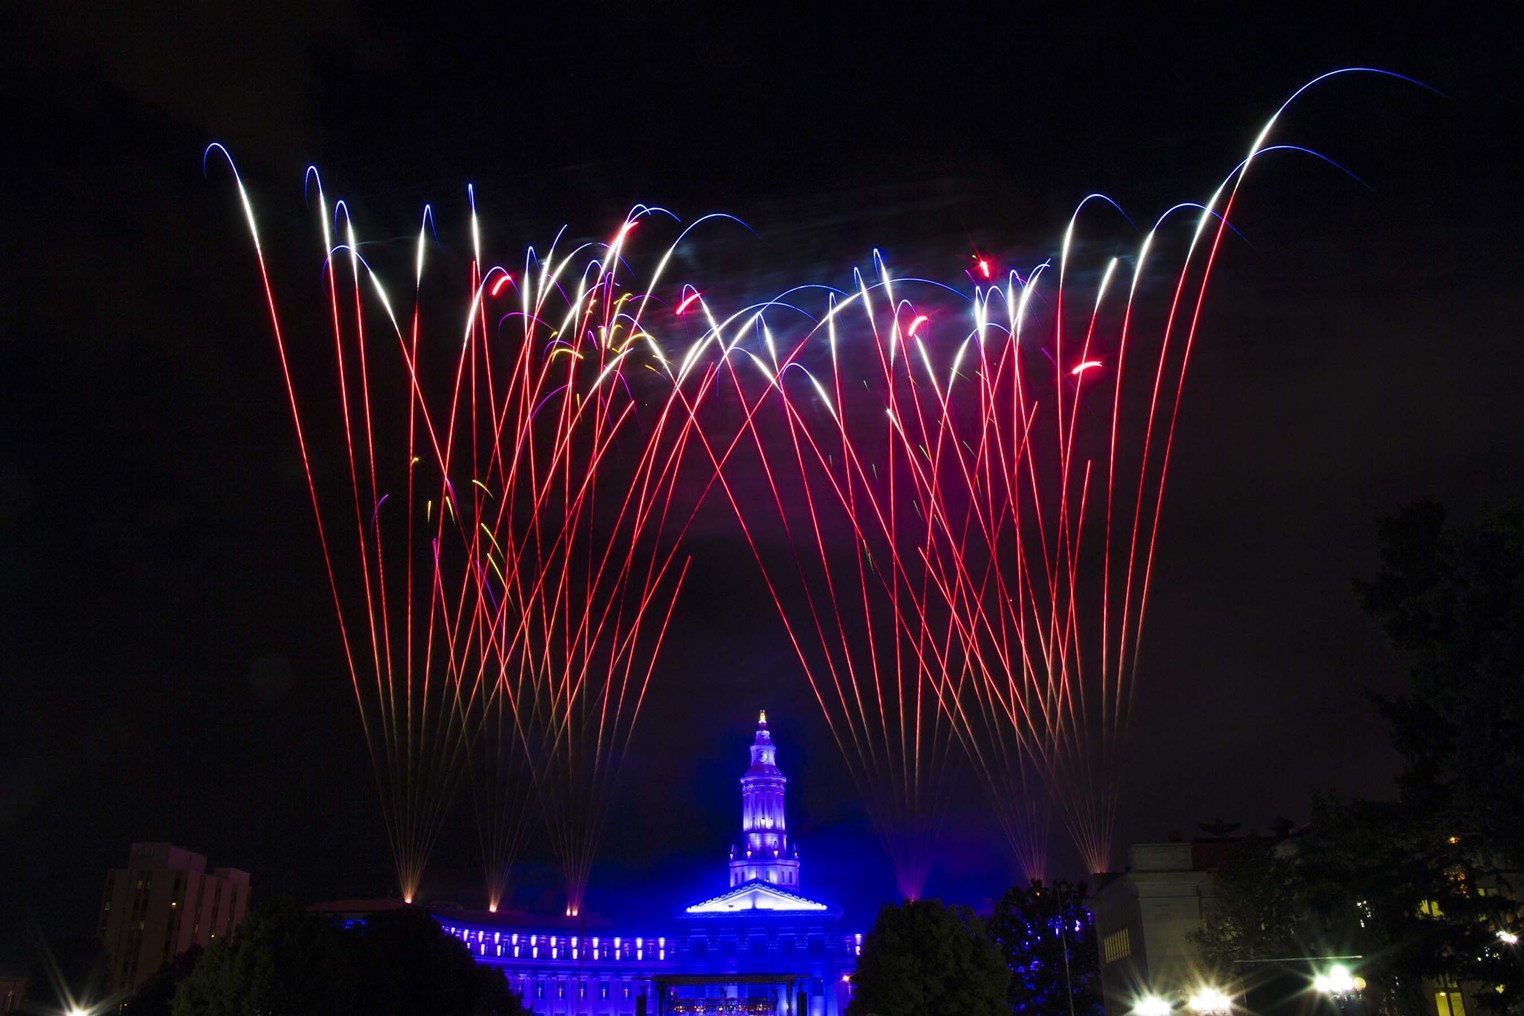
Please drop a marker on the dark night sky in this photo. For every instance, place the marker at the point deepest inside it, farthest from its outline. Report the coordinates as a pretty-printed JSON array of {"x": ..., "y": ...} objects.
[{"x": 169, "y": 666}]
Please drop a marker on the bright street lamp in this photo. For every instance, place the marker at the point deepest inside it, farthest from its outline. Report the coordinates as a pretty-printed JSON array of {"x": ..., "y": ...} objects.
[
  {"x": 1210, "y": 1000},
  {"x": 1338, "y": 981},
  {"x": 1152, "y": 1005},
  {"x": 1341, "y": 986}
]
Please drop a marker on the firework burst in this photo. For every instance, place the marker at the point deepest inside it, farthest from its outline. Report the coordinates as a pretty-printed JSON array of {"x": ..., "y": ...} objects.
[{"x": 954, "y": 501}]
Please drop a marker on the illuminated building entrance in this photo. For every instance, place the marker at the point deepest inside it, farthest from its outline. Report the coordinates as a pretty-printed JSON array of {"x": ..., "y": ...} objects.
[{"x": 726, "y": 994}]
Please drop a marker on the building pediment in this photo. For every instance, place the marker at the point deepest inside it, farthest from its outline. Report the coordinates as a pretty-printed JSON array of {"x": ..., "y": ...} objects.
[{"x": 758, "y": 895}]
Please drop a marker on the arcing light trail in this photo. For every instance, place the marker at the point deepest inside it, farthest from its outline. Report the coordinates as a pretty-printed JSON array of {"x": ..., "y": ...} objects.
[
  {"x": 854, "y": 592},
  {"x": 1014, "y": 496},
  {"x": 954, "y": 500},
  {"x": 533, "y": 600},
  {"x": 579, "y": 517},
  {"x": 387, "y": 558}
]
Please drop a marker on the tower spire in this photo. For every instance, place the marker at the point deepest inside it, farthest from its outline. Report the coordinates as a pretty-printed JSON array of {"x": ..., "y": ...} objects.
[{"x": 764, "y": 852}]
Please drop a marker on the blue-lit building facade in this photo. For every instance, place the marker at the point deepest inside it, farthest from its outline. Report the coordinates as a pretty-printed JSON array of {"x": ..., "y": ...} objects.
[{"x": 760, "y": 947}]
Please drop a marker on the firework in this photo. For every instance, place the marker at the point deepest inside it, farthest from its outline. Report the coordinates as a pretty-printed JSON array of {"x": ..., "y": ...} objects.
[
  {"x": 971, "y": 492},
  {"x": 384, "y": 519},
  {"x": 523, "y": 628},
  {"x": 577, "y": 448},
  {"x": 1050, "y": 493},
  {"x": 954, "y": 501},
  {"x": 820, "y": 481}
]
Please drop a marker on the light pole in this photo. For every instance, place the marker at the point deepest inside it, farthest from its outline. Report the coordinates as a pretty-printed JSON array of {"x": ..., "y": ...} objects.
[{"x": 1063, "y": 940}]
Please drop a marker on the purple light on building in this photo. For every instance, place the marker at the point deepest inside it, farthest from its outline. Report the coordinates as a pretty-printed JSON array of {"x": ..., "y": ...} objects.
[{"x": 760, "y": 948}]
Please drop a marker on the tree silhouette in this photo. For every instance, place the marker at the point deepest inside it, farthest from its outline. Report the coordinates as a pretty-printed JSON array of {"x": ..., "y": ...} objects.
[
  {"x": 1047, "y": 936},
  {"x": 924, "y": 958}
]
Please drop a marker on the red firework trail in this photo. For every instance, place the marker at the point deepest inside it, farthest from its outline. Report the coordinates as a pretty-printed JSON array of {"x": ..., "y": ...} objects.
[
  {"x": 990, "y": 549},
  {"x": 577, "y": 524},
  {"x": 853, "y": 588},
  {"x": 956, "y": 522},
  {"x": 390, "y": 577},
  {"x": 530, "y": 608},
  {"x": 1048, "y": 495}
]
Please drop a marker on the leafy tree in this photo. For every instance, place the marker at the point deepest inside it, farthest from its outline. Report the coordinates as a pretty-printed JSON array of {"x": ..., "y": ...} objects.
[
  {"x": 1385, "y": 882},
  {"x": 408, "y": 965},
  {"x": 923, "y": 958},
  {"x": 157, "y": 994},
  {"x": 1048, "y": 938},
  {"x": 284, "y": 961},
  {"x": 1260, "y": 911},
  {"x": 1418, "y": 886},
  {"x": 1451, "y": 599}
]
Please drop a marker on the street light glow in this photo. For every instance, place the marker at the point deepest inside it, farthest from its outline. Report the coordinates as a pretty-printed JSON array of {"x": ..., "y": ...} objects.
[
  {"x": 1508, "y": 937},
  {"x": 1210, "y": 1000},
  {"x": 1152, "y": 1005},
  {"x": 1338, "y": 981}
]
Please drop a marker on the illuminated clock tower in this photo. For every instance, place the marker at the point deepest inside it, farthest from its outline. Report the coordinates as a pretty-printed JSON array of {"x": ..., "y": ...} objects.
[{"x": 764, "y": 853}]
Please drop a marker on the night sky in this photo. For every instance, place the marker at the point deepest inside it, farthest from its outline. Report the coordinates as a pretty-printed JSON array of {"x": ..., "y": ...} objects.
[{"x": 169, "y": 663}]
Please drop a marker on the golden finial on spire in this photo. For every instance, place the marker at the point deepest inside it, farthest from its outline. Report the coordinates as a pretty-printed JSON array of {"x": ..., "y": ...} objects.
[{"x": 762, "y": 719}]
